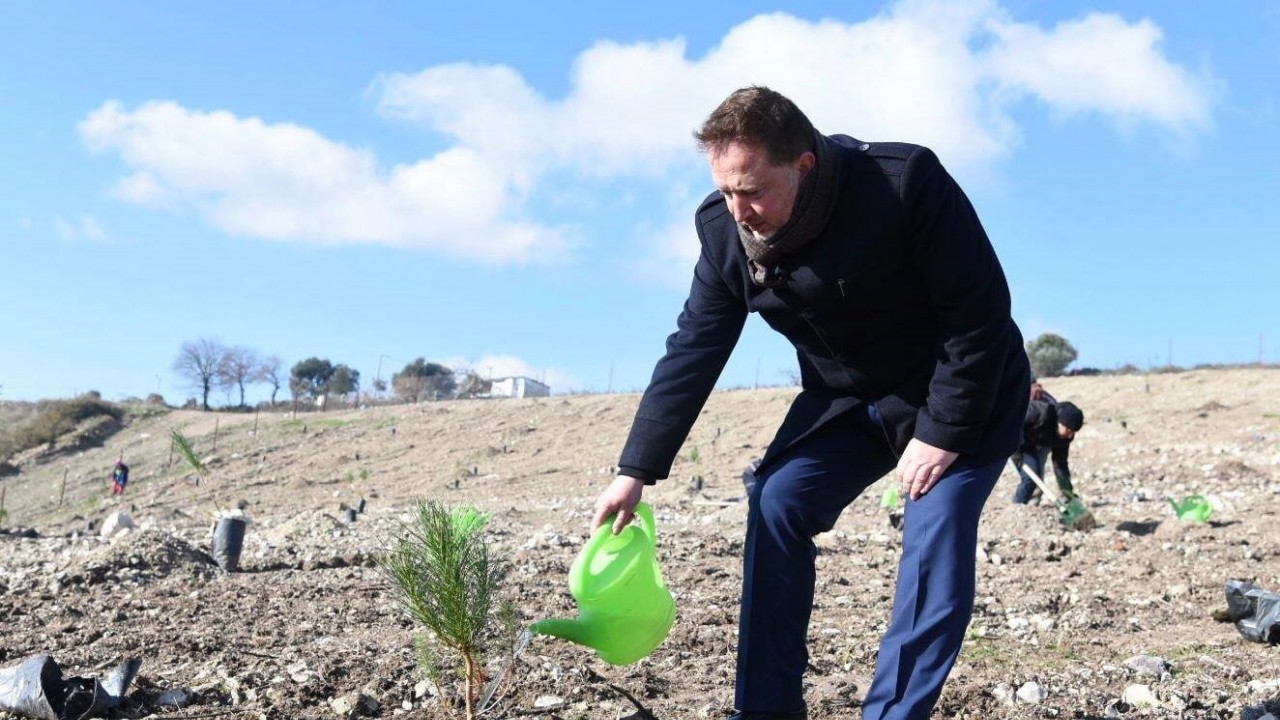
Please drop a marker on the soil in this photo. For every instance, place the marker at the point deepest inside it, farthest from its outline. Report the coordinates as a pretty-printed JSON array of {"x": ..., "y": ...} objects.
[{"x": 310, "y": 627}]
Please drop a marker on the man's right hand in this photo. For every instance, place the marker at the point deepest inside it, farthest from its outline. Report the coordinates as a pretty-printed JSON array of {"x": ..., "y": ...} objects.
[{"x": 619, "y": 498}]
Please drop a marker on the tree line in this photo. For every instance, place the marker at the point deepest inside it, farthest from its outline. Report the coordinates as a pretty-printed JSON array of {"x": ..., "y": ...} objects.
[{"x": 206, "y": 365}]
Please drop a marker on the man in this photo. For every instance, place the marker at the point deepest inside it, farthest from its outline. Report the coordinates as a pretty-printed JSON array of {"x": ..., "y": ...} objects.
[
  {"x": 871, "y": 261},
  {"x": 1048, "y": 429}
]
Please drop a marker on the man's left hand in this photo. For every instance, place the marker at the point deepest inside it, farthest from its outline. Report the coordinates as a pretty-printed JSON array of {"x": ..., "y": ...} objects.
[{"x": 921, "y": 466}]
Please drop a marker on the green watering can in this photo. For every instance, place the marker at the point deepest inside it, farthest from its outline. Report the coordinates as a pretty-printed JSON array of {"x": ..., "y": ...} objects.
[
  {"x": 1193, "y": 508},
  {"x": 624, "y": 608}
]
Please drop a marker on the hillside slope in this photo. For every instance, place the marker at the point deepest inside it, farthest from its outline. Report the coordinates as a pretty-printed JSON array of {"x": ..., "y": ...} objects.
[{"x": 1061, "y": 608}]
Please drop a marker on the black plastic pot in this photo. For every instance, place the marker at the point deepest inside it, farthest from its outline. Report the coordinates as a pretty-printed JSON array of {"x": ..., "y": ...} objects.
[
  {"x": 36, "y": 689},
  {"x": 228, "y": 541}
]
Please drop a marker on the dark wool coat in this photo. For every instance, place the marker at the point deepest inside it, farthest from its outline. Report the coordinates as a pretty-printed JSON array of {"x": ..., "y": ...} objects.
[
  {"x": 1040, "y": 430},
  {"x": 899, "y": 301}
]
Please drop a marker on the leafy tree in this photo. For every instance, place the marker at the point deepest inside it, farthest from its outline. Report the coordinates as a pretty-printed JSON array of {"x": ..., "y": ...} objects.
[
  {"x": 238, "y": 367},
  {"x": 310, "y": 377},
  {"x": 199, "y": 363},
  {"x": 344, "y": 380},
  {"x": 1050, "y": 354},
  {"x": 421, "y": 379},
  {"x": 268, "y": 371}
]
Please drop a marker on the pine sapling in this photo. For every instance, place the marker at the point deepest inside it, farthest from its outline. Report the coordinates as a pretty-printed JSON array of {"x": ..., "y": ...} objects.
[{"x": 449, "y": 580}]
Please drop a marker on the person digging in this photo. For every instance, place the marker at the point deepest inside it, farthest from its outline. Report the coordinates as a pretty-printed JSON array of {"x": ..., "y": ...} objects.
[{"x": 1047, "y": 433}]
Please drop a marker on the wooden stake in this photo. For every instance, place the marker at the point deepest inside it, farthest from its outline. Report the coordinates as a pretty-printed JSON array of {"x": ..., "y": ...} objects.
[
  {"x": 215, "y": 434},
  {"x": 255, "y": 422},
  {"x": 63, "y": 492}
]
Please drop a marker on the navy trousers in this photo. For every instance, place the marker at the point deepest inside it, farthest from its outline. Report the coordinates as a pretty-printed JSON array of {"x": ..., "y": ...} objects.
[{"x": 802, "y": 494}]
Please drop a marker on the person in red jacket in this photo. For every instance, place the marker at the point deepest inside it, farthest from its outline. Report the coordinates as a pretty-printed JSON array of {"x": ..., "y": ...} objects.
[{"x": 119, "y": 477}]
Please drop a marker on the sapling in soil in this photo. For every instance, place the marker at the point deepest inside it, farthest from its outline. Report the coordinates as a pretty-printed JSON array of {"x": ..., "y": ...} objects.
[
  {"x": 449, "y": 580},
  {"x": 228, "y": 531},
  {"x": 187, "y": 452}
]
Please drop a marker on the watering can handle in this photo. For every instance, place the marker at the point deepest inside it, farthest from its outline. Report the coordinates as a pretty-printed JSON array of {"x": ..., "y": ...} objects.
[{"x": 605, "y": 530}]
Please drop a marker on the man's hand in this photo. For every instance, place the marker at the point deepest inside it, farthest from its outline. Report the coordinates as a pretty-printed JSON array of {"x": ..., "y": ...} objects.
[
  {"x": 921, "y": 466},
  {"x": 620, "y": 497}
]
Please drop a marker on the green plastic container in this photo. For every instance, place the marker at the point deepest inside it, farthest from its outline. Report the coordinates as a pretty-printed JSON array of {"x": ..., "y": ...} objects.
[
  {"x": 624, "y": 609},
  {"x": 1193, "y": 508},
  {"x": 891, "y": 498}
]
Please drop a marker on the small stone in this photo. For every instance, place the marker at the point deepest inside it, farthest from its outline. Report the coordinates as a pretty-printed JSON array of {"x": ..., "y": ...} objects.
[
  {"x": 368, "y": 705},
  {"x": 1140, "y": 696},
  {"x": 115, "y": 524},
  {"x": 1031, "y": 693},
  {"x": 342, "y": 706},
  {"x": 548, "y": 701},
  {"x": 1003, "y": 693},
  {"x": 178, "y": 697},
  {"x": 1150, "y": 666},
  {"x": 423, "y": 689}
]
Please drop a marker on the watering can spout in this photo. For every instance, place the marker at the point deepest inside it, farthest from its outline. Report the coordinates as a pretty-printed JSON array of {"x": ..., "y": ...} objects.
[{"x": 571, "y": 630}]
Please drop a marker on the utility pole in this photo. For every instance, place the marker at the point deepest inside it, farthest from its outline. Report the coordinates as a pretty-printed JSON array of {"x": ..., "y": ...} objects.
[
  {"x": 609, "y": 390},
  {"x": 1169, "y": 360},
  {"x": 755, "y": 385},
  {"x": 377, "y": 376}
]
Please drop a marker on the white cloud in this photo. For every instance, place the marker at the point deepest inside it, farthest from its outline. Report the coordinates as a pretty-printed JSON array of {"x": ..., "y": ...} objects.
[
  {"x": 499, "y": 366},
  {"x": 86, "y": 228},
  {"x": 1103, "y": 65},
  {"x": 286, "y": 182},
  {"x": 25, "y": 223},
  {"x": 945, "y": 73}
]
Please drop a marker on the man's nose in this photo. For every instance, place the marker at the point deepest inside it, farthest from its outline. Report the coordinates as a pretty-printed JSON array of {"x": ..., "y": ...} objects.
[{"x": 739, "y": 208}]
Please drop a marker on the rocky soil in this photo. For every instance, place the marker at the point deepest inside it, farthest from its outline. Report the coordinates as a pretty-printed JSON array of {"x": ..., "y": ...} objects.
[{"x": 1114, "y": 622}]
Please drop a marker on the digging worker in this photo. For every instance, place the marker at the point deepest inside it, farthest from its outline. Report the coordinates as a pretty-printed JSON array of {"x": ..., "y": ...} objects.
[
  {"x": 870, "y": 260},
  {"x": 1047, "y": 431}
]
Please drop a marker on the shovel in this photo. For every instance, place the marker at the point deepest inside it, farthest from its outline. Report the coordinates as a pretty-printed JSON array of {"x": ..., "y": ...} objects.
[{"x": 1071, "y": 512}]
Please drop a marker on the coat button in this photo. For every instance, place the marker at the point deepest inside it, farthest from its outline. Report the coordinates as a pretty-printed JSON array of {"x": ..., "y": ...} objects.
[{"x": 864, "y": 147}]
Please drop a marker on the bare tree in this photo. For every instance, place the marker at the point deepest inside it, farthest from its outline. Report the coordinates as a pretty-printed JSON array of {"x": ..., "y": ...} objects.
[
  {"x": 269, "y": 372},
  {"x": 238, "y": 367},
  {"x": 472, "y": 385},
  {"x": 199, "y": 364}
]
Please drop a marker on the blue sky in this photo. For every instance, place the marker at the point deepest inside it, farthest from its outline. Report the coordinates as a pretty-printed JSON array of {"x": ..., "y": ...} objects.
[{"x": 509, "y": 186}]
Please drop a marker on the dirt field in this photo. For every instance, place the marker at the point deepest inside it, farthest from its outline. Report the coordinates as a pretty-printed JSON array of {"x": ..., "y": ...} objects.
[{"x": 309, "y": 629}]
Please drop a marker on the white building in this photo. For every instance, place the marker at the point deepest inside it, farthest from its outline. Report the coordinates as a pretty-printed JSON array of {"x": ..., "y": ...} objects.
[{"x": 518, "y": 387}]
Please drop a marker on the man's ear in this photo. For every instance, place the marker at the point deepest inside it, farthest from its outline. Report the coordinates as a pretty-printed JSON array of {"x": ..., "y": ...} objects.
[{"x": 805, "y": 163}]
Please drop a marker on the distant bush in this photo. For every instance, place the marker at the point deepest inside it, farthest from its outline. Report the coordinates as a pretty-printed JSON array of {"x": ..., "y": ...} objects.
[
  {"x": 55, "y": 418},
  {"x": 1050, "y": 355}
]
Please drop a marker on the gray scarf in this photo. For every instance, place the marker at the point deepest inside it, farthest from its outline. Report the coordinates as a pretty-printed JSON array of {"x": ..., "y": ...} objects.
[{"x": 814, "y": 201}]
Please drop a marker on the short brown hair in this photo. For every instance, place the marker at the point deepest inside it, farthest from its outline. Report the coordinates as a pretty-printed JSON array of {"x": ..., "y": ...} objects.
[{"x": 759, "y": 116}]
